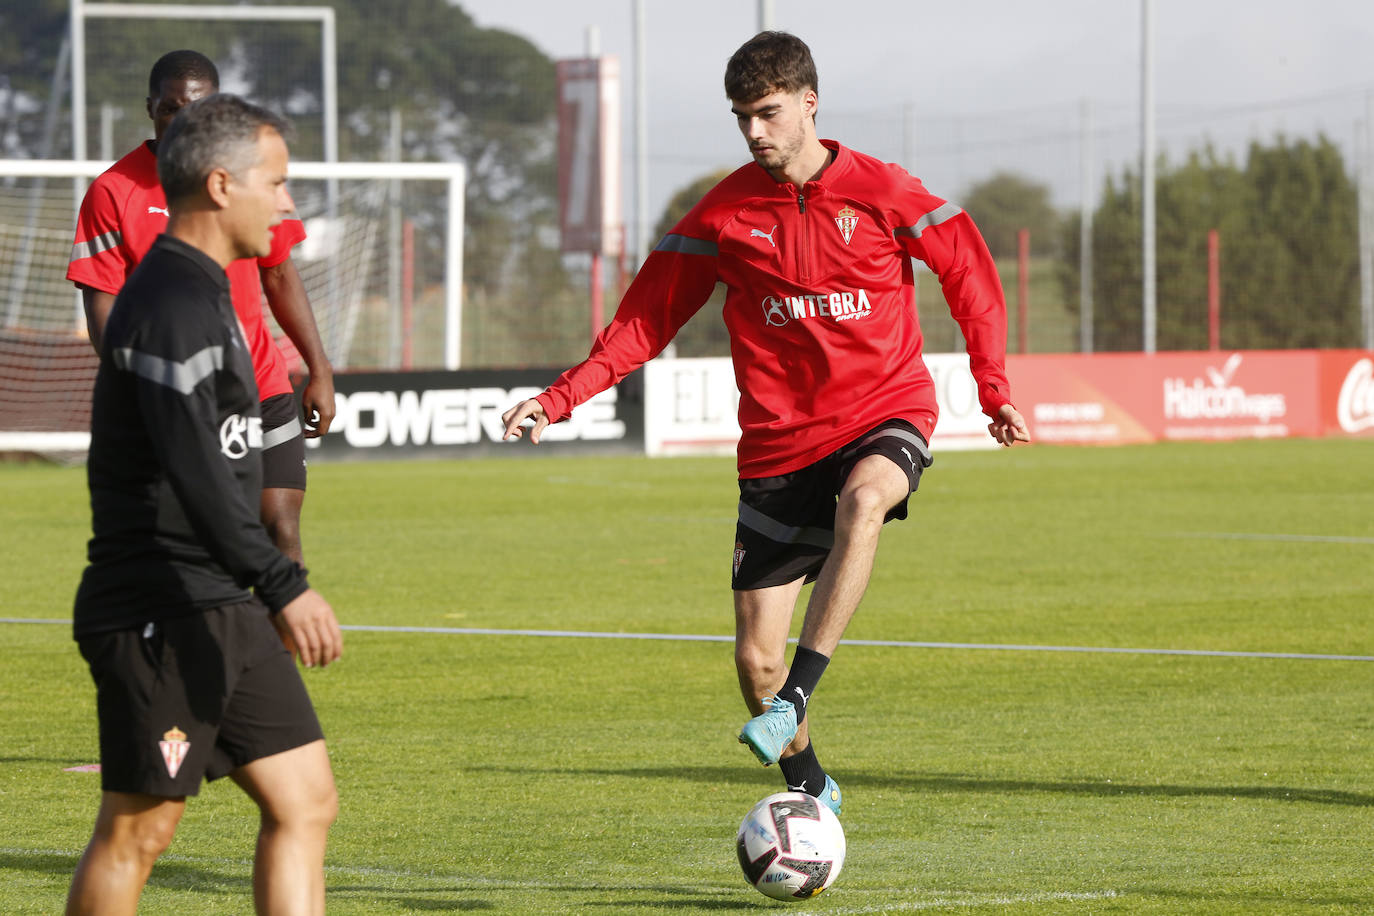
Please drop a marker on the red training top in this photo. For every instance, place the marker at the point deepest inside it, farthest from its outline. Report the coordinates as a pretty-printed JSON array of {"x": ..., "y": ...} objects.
[
  {"x": 125, "y": 210},
  {"x": 820, "y": 306}
]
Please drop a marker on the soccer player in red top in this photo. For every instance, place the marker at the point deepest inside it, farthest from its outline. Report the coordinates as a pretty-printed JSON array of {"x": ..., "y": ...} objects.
[
  {"x": 812, "y": 241},
  {"x": 125, "y": 210}
]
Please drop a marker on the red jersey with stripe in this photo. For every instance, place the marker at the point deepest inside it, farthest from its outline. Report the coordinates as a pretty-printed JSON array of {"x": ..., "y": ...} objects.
[
  {"x": 820, "y": 306},
  {"x": 124, "y": 211}
]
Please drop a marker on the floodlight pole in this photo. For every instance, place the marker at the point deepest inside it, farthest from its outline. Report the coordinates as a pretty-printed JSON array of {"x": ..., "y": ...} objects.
[
  {"x": 765, "y": 15},
  {"x": 642, "y": 240},
  {"x": 1085, "y": 234},
  {"x": 1147, "y": 175}
]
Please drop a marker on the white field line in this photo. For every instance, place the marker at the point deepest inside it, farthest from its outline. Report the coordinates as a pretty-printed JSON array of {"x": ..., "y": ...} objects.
[
  {"x": 1294, "y": 538},
  {"x": 879, "y": 643},
  {"x": 970, "y": 901}
]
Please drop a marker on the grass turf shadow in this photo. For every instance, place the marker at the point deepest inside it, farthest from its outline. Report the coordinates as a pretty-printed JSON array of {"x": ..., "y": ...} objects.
[{"x": 953, "y": 782}]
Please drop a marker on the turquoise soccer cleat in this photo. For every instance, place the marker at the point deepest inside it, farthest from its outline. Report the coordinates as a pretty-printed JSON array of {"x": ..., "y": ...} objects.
[
  {"x": 768, "y": 734},
  {"x": 830, "y": 796}
]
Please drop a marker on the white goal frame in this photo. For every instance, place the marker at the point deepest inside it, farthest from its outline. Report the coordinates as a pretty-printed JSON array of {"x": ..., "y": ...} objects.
[
  {"x": 81, "y": 11},
  {"x": 453, "y": 174}
]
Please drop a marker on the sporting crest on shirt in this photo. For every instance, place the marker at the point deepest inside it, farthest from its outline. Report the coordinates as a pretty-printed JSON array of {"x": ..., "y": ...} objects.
[
  {"x": 847, "y": 220},
  {"x": 174, "y": 747}
]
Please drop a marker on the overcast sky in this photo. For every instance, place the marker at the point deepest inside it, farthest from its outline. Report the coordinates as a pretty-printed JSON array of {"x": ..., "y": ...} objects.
[{"x": 957, "y": 91}]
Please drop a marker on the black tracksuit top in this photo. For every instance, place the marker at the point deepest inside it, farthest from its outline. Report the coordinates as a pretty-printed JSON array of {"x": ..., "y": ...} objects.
[{"x": 175, "y": 463}]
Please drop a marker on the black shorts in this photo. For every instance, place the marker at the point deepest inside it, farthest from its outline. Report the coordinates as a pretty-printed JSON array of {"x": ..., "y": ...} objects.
[
  {"x": 787, "y": 523},
  {"x": 194, "y": 697},
  {"x": 283, "y": 444}
]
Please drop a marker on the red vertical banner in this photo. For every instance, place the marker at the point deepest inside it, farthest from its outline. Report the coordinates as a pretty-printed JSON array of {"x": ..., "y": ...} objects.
[{"x": 589, "y": 199}]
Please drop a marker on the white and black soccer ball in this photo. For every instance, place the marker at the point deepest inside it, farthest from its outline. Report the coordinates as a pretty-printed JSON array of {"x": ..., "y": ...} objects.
[{"x": 790, "y": 846}]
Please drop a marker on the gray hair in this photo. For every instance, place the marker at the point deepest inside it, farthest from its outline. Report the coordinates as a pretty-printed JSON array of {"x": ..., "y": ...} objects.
[{"x": 219, "y": 131}]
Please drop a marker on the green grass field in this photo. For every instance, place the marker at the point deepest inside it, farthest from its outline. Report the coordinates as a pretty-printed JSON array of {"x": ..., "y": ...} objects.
[{"x": 515, "y": 774}]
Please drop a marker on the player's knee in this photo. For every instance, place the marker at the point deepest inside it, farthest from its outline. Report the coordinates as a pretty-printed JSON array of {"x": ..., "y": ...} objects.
[
  {"x": 864, "y": 503},
  {"x": 313, "y": 808},
  {"x": 757, "y": 663},
  {"x": 324, "y": 808},
  {"x": 144, "y": 837},
  {"x": 155, "y": 841}
]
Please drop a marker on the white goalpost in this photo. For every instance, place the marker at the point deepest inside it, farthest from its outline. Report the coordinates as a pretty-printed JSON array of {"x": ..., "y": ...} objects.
[
  {"x": 47, "y": 365},
  {"x": 324, "y": 15}
]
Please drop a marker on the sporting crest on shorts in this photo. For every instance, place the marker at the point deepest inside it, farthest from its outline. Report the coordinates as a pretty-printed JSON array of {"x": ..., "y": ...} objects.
[
  {"x": 848, "y": 221},
  {"x": 739, "y": 556},
  {"x": 174, "y": 748}
]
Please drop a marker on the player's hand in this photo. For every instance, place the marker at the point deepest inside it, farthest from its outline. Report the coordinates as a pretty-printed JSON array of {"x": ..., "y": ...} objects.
[
  {"x": 517, "y": 415},
  {"x": 1009, "y": 427},
  {"x": 317, "y": 404},
  {"x": 309, "y": 629}
]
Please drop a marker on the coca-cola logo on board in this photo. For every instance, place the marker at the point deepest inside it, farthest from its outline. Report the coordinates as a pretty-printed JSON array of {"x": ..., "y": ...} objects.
[{"x": 1355, "y": 409}]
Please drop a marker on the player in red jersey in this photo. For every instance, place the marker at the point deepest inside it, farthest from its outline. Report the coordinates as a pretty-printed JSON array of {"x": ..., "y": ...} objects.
[
  {"x": 125, "y": 210},
  {"x": 812, "y": 241}
]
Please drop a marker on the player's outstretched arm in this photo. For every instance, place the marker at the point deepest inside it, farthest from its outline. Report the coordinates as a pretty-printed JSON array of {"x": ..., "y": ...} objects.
[
  {"x": 1009, "y": 427},
  {"x": 309, "y": 629},
  {"x": 517, "y": 415}
]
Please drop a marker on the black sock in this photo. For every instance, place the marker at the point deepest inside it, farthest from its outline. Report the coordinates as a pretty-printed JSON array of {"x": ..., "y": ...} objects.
[
  {"x": 805, "y": 674},
  {"x": 803, "y": 772}
]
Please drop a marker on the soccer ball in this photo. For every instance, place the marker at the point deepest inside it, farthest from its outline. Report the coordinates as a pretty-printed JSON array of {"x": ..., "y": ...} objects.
[{"x": 790, "y": 846}]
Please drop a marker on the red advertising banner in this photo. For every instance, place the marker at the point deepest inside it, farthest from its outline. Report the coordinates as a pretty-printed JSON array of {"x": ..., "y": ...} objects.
[
  {"x": 1117, "y": 398},
  {"x": 1347, "y": 392},
  {"x": 1097, "y": 399}
]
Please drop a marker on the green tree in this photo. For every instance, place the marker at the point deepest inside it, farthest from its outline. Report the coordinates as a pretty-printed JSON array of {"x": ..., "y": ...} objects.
[
  {"x": 1287, "y": 227},
  {"x": 685, "y": 199},
  {"x": 704, "y": 334},
  {"x": 1005, "y": 204},
  {"x": 1298, "y": 285}
]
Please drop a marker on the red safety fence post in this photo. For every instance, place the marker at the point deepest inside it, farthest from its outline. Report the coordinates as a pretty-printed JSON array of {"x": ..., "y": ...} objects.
[
  {"x": 1023, "y": 290},
  {"x": 1213, "y": 290}
]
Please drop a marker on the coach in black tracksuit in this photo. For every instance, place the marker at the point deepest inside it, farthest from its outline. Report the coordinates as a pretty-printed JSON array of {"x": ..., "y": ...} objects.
[
  {"x": 187, "y": 609},
  {"x": 175, "y": 462}
]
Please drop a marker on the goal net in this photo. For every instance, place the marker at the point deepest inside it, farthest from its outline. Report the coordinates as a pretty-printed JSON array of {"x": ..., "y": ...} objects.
[{"x": 381, "y": 262}]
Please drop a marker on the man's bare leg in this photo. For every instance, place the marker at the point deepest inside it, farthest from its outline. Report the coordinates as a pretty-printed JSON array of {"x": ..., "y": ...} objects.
[
  {"x": 874, "y": 486},
  {"x": 295, "y": 793},
  {"x": 763, "y": 617},
  {"x": 131, "y": 831}
]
